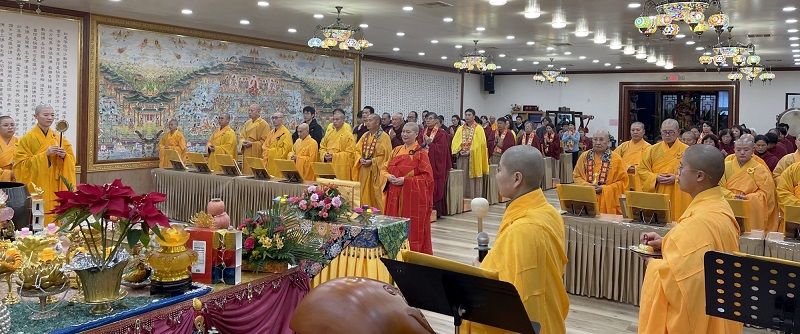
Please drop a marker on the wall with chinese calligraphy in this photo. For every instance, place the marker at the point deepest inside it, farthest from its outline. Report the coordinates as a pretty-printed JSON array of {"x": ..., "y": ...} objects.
[
  {"x": 394, "y": 88},
  {"x": 40, "y": 64},
  {"x": 146, "y": 78}
]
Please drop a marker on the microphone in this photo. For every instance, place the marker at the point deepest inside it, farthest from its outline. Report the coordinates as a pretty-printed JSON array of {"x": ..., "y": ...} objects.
[{"x": 483, "y": 245}]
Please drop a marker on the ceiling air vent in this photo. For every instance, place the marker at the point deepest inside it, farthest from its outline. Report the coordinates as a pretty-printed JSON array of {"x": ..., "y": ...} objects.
[
  {"x": 435, "y": 4},
  {"x": 759, "y": 35}
]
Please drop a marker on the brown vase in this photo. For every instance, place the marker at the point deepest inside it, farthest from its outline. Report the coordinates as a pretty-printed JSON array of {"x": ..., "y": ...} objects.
[
  {"x": 215, "y": 207},
  {"x": 222, "y": 221},
  {"x": 274, "y": 267}
]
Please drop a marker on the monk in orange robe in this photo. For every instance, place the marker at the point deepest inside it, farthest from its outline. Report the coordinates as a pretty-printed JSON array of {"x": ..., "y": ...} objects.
[
  {"x": 436, "y": 140},
  {"x": 372, "y": 154},
  {"x": 410, "y": 188},
  {"x": 788, "y": 190},
  {"x": 222, "y": 142},
  {"x": 659, "y": 166},
  {"x": 604, "y": 170},
  {"x": 673, "y": 291},
  {"x": 172, "y": 140},
  {"x": 252, "y": 136},
  {"x": 8, "y": 147},
  {"x": 505, "y": 139},
  {"x": 747, "y": 179},
  {"x": 632, "y": 152},
  {"x": 786, "y": 161},
  {"x": 305, "y": 153}
]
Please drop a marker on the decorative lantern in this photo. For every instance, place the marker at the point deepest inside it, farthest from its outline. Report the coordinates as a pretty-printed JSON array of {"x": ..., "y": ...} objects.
[
  {"x": 643, "y": 23},
  {"x": 735, "y": 76},
  {"x": 662, "y": 20},
  {"x": 671, "y": 30},
  {"x": 753, "y": 59},
  {"x": 700, "y": 28},
  {"x": 694, "y": 18},
  {"x": 719, "y": 21}
]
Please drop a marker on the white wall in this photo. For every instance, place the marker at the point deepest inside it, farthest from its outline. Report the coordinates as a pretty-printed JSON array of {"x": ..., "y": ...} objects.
[
  {"x": 395, "y": 88},
  {"x": 598, "y": 94}
]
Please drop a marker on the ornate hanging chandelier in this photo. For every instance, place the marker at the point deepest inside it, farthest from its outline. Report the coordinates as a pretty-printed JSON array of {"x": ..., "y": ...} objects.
[
  {"x": 664, "y": 16},
  {"x": 475, "y": 60},
  {"x": 339, "y": 35},
  {"x": 551, "y": 75}
]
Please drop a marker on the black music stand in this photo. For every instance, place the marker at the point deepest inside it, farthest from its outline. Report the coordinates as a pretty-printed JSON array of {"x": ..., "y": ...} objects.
[
  {"x": 754, "y": 290},
  {"x": 464, "y": 297}
]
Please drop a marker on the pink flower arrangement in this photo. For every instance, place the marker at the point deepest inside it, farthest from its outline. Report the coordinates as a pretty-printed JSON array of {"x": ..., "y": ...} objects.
[
  {"x": 365, "y": 212},
  {"x": 320, "y": 202}
]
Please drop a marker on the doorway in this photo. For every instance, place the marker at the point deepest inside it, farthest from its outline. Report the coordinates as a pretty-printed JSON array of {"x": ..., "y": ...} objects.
[{"x": 688, "y": 103}]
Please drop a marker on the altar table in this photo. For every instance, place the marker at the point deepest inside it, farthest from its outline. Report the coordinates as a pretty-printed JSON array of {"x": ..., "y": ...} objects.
[
  {"x": 189, "y": 193},
  {"x": 600, "y": 264}
]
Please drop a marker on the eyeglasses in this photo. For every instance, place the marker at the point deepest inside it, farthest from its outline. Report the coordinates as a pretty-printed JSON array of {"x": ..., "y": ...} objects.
[
  {"x": 668, "y": 132},
  {"x": 681, "y": 168}
]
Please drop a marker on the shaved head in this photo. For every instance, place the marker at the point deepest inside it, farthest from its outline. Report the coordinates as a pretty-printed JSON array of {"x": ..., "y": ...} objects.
[
  {"x": 302, "y": 130},
  {"x": 707, "y": 159},
  {"x": 670, "y": 123},
  {"x": 413, "y": 127},
  {"x": 638, "y": 125},
  {"x": 520, "y": 171},
  {"x": 745, "y": 140}
]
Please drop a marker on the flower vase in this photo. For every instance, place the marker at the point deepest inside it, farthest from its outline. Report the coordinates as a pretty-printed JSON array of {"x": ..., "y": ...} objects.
[
  {"x": 215, "y": 207},
  {"x": 101, "y": 287},
  {"x": 273, "y": 267}
]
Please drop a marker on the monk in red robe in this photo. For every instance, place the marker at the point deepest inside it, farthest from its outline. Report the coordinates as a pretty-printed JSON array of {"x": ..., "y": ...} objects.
[
  {"x": 504, "y": 140},
  {"x": 437, "y": 141},
  {"x": 490, "y": 138},
  {"x": 410, "y": 188},
  {"x": 550, "y": 144}
]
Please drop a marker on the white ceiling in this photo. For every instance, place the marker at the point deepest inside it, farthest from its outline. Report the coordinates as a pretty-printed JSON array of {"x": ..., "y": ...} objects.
[{"x": 425, "y": 23}]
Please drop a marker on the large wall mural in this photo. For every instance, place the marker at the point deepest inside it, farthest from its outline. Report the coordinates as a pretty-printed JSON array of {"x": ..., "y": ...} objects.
[{"x": 147, "y": 78}]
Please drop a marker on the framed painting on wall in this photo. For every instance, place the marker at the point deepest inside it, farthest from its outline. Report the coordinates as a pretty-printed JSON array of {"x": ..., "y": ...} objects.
[
  {"x": 143, "y": 75},
  {"x": 792, "y": 101}
]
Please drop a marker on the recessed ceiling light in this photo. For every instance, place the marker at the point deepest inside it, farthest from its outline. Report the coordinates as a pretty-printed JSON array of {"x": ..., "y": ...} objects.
[
  {"x": 510, "y": 37},
  {"x": 563, "y": 69},
  {"x": 186, "y": 11},
  {"x": 795, "y": 50},
  {"x": 652, "y": 59},
  {"x": 433, "y": 41},
  {"x": 794, "y": 45},
  {"x": 680, "y": 36},
  {"x": 292, "y": 30},
  {"x": 520, "y": 59},
  {"x": 364, "y": 25},
  {"x": 480, "y": 28},
  {"x": 115, "y": 0},
  {"x": 498, "y": 2},
  {"x": 421, "y": 53},
  {"x": 550, "y": 48},
  {"x": 789, "y": 8},
  {"x": 536, "y": 63},
  {"x": 690, "y": 42},
  {"x": 263, "y": 4},
  {"x": 319, "y": 16},
  {"x": 244, "y": 22},
  {"x": 796, "y": 56},
  {"x": 582, "y": 57},
  {"x": 791, "y": 21},
  {"x": 794, "y": 38},
  {"x": 567, "y": 53},
  {"x": 502, "y": 55},
  {"x": 447, "y": 19},
  {"x": 607, "y": 64},
  {"x": 634, "y": 5},
  {"x": 513, "y": 70},
  {"x": 408, "y": 8},
  {"x": 792, "y": 31},
  {"x": 481, "y": 51},
  {"x": 530, "y": 43},
  {"x": 458, "y": 46},
  {"x": 395, "y": 49},
  {"x": 595, "y": 61},
  {"x": 401, "y": 34},
  {"x": 617, "y": 67},
  {"x": 499, "y": 67},
  {"x": 443, "y": 57},
  {"x": 699, "y": 48},
  {"x": 706, "y": 53}
]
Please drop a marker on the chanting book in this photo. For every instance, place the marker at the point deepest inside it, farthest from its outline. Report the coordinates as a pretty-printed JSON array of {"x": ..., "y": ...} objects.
[
  {"x": 199, "y": 162},
  {"x": 258, "y": 169},
  {"x": 289, "y": 170}
]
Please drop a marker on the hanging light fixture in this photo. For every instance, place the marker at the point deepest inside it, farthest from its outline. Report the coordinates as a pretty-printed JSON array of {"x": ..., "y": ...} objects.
[
  {"x": 532, "y": 10},
  {"x": 551, "y": 75},
  {"x": 559, "y": 19},
  {"x": 339, "y": 35},
  {"x": 582, "y": 28},
  {"x": 475, "y": 60},
  {"x": 23, "y": 3},
  {"x": 665, "y": 15}
]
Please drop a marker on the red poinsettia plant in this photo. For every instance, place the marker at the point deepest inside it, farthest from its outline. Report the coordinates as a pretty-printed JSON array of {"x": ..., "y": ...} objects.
[{"x": 106, "y": 215}]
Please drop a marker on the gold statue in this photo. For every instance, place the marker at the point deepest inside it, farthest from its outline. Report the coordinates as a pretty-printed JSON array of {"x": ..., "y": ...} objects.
[
  {"x": 202, "y": 220},
  {"x": 9, "y": 263},
  {"x": 38, "y": 192}
]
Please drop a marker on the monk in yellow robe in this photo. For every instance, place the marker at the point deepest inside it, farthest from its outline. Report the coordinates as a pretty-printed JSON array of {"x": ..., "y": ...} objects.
[
  {"x": 747, "y": 179},
  {"x": 529, "y": 249},
  {"x": 786, "y": 161},
  {"x": 43, "y": 159},
  {"x": 252, "y": 136},
  {"x": 605, "y": 171},
  {"x": 469, "y": 144},
  {"x": 338, "y": 147},
  {"x": 673, "y": 291},
  {"x": 788, "y": 190},
  {"x": 659, "y": 166},
  {"x": 278, "y": 144},
  {"x": 305, "y": 153},
  {"x": 8, "y": 147},
  {"x": 372, "y": 158},
  {"x": 631, "y": 153},
  {"x": 172, "y": 140},
  {"x": 222, "y": 142}
]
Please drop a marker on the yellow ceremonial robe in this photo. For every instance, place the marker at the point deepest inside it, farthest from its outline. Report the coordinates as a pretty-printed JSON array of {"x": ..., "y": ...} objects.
[
  {"x": 277, "y": 146},
  {"x": 631, "y": 154},
  {"x": 673, "y": 291},
  {"x": 33, "y": 166},
  {"x": 224, "y": 141},
  {"x": 256, "y": 133},
  {"x": 788, "y": 190},
  {"x": 306, "y": 152},
  {"x": 529, "y": 253},
  {"x": 616, "y": 180},
  {"x": 478, "y": 151},
  {"x": 7, "y": 152},
  {"x": 372, "y": 178},
  {"x": 753, "y": 180},
  {"x": 661, "y": 158},
  {"x": 342, "y": 146},
  {"x": 171, "y": 141},
  {"x": 784, "y": 163},
  {"x": 345, "y": 126}
]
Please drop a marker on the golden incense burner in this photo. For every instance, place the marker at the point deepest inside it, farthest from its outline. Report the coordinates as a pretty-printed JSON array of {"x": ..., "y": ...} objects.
[{"x": 171, "y": 263}]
